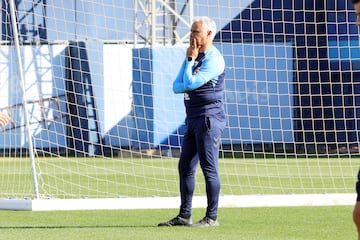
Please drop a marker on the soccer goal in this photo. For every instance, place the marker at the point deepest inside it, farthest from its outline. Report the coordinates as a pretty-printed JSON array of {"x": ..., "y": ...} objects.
[{"x": 95, "y": 124}]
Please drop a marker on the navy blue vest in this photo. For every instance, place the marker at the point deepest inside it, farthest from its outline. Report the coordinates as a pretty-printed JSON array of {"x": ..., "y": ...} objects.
[{"x": 206, "y": 100}]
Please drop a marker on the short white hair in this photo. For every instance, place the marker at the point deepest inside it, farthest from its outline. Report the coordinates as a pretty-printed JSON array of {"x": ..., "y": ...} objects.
[{"x": 208, "y": 24}]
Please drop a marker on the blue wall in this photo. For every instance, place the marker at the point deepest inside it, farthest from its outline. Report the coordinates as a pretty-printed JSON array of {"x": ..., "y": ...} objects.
[
  {"x": 325, "y": 85},
  {"x": 316, "y": 41},
  {"x": 158, "y": 113},
  {"x": 258, "y": 94}
]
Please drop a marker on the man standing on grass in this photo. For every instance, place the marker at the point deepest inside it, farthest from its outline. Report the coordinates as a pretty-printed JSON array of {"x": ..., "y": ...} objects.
[
  {"x": 201, "y": 80},
  {"x": 356, "y": 212}
]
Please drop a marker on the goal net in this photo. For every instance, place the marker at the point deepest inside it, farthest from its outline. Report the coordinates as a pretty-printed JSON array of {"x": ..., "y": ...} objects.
[{"x": 95, "y": 124}]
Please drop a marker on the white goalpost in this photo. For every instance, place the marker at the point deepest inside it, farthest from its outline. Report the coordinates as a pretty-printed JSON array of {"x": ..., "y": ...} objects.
[{"x": 95, "y": 124}]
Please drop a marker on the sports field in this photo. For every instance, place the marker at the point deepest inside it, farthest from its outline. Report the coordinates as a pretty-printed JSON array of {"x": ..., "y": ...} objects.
[
  {"x": 61, "y": 177},
  {"x": 304, "y": 174},
  {"x": 298, "y": 223}
]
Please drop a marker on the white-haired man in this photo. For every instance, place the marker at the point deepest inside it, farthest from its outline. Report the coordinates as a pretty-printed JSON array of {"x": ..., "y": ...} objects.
[{"x": 201, "y": 81}]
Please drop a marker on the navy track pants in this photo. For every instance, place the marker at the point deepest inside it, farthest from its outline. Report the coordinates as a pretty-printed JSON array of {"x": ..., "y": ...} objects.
[{"x": 201, "y": 143}]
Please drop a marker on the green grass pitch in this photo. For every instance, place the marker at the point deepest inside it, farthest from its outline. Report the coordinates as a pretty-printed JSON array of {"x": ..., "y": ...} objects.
[
  {"x": 295, "y": 223},
  {"x": 278, "y": 223}
]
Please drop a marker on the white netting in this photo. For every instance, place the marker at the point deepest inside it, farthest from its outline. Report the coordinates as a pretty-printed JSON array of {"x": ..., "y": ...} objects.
[{"x": 104, "y": 122}]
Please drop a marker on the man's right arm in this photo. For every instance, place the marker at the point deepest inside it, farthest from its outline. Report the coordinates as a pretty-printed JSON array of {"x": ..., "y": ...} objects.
[{"x": 178, "y": 84}]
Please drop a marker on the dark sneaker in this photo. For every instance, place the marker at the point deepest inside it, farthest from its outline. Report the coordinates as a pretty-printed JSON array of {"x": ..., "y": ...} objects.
[
  {"x": 206, "y": 222},
  {"x": 176, "y": 221}
]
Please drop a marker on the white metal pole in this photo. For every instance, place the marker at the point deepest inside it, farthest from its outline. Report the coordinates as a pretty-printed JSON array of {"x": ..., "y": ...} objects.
[
  {"x": 135, "y": 22},
  {"x": 24, "y": 99},
  {"x": 191, "y": 11},
  {"x": 153, "y": 23}
]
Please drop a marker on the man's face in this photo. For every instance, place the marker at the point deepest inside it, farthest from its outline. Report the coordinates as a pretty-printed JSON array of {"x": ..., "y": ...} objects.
[
  {"x": 357, "y": 10},
  {"x": 199, "y": 34}
]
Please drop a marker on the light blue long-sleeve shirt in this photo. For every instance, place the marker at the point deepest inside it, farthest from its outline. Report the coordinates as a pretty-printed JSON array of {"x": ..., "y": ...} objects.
[{"x": 212, "y": 67}]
